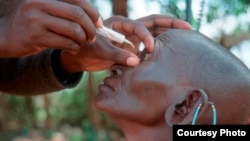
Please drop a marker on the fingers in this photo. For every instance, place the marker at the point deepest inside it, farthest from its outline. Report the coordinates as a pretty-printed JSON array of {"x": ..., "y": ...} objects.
[
  {"x": 158, "y": 24},
  {"x": 124, "y": 57},
  {"x": 97, "y": 56},
  {"x": 131, "y": 27},
  {"x": 70, "y": 30},
  {"x": 117, "y": 55},
  {"x": 89, "y": 9},
  {"x": 54, "y": 32},
  {"x": 177, "y": 23},
  {"x": 59, "y": 42},
  {"x": 161, "y": 21},
  {"x": 72, "y": 13}
]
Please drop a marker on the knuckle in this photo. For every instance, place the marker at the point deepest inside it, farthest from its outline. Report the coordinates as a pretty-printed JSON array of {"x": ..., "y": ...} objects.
[
  {"x": 36, "y": 36},
  {"x": 32, "y": 16},
  {"x": 78, "y": 12},
  {"x": 30, "y": 10},
  {"x": 77, "y": 29},
  {"x": 78, "y": 32},
  {"x": 32, "y": 3},
  {"x": 72, "y": 45}
]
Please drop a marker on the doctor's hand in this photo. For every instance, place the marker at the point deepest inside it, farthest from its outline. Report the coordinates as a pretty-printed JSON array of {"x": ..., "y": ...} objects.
[
  {"x": 102, "y": 53},
  {"x": 35, "y": 25}
]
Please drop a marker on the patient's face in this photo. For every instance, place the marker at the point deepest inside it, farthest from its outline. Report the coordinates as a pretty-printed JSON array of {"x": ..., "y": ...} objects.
[{"x": 139, "y": 93}]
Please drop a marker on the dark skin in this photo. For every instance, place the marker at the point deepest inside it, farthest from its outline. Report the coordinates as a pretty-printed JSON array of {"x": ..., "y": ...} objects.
[
  {"x": 96, "y": 56},
  {"x": 104, "y": 53},
  {"x": 185, "y": 69},
  {"x": 30, "y": 26},
  {"x": 32, "y": 29}
]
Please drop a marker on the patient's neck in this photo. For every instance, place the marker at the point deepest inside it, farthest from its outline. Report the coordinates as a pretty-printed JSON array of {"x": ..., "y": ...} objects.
[{"x": 139, "y": 132}]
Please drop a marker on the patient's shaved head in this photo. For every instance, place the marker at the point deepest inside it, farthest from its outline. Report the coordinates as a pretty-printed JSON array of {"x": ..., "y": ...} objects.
[
  {"x": 202, "y": 61},
  {"x": 199, "y": 62}
]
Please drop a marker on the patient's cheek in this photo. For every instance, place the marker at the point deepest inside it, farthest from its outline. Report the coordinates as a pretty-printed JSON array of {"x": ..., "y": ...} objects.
[{"x": 148, "y": 89}]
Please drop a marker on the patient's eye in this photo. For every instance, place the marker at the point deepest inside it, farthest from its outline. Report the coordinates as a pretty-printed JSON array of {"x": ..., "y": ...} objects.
[
  {"x": 116, "y": 70},
  {"x": 144, "y": 56},
  {"x": 113, "y": 72}
]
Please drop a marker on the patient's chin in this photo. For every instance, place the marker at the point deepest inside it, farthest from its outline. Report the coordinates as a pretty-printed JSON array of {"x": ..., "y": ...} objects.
[{"x": 105, "y": 105}]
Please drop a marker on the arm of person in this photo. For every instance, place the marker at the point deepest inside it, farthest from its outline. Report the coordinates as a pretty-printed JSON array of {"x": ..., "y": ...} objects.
[
  {"x": 28, "y": 27},
  {"x": 36, "y": 74},
  {"x": 54, "y": 70}
]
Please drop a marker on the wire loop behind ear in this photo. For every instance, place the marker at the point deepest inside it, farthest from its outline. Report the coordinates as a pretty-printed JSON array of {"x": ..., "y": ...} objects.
[{"x": 197, "y": 112}]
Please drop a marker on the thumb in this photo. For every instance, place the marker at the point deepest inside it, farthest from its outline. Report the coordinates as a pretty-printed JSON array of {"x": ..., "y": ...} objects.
[
  {"x": 124, "y": 57},
  {"x": 108, "y": 51}
]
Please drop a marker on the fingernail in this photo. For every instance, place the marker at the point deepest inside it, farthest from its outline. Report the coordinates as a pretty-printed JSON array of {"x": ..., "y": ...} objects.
[
  {"x": 133, "y": 61},
  {"x": 183, "y": 24},
  {"x": 99, "y": 23}
]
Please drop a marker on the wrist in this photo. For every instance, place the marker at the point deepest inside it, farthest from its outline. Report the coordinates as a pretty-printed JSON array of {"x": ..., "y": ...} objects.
[
  {"x": 63, "y": 74},
  {"x": 67, "y": 62}
]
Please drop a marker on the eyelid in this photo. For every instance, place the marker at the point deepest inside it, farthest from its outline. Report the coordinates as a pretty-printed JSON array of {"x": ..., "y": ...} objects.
[{"x": 144, "y": 55}]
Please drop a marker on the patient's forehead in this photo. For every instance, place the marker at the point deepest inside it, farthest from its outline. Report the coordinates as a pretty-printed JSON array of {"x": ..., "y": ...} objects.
[
  {"x": 185, "y": 43},
  {"x": 180, "y": 38},
  {"x": 178, "y": 51}
]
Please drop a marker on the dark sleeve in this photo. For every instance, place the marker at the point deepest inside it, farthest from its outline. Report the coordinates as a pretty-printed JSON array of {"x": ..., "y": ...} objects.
[{"x": 34, "y": 75}]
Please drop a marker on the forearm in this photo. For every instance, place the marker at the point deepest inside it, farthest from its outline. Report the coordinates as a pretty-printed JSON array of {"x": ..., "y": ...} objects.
[{"x": 35, "y": 75}]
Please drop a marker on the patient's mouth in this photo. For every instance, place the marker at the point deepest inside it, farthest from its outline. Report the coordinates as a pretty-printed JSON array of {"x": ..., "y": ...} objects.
[
  {"x": 113, "y": 72},
  {"x": 108, "y": 83}
]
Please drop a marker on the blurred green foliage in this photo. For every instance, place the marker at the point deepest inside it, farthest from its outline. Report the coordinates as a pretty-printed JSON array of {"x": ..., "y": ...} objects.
[
  {"x": 69, "y": 111},
  {"x": 229, "y": 7}
]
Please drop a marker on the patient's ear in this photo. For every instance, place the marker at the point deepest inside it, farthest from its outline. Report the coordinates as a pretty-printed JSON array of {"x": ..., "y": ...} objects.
[{"x": 182, "y": 110}]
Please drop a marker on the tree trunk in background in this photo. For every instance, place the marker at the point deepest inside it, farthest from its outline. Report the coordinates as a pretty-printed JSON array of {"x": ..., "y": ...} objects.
[
  {"x": 46, "y": 106},
  {"x": 94, "y": 117},
  {"x": 120, "y": 7},
  {"x": 4, "y": 115},
  {"x": 30, "y": 110}
]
